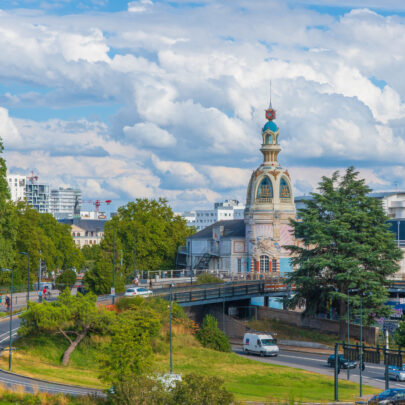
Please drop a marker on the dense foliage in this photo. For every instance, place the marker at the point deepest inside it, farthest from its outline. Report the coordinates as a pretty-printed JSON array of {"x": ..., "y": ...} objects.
[
  {"x": 207, "y": 278},
  {"x": 144, "y": 235},
  {"x": 66, "y": 279},
  {"x": 23, "y": 229},
  {"x": 211, "y": 336},
  {"x": 345, "y": 245}
]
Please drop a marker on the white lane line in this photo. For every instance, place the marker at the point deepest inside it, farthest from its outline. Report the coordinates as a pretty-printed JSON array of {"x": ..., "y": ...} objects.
[
  {"x": 8, "y": 337},
  {"x": 7, "y": 333}
]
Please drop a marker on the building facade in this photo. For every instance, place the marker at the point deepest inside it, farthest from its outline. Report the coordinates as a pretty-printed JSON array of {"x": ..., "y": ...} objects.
[
  {"x": 223, "y": 211},
  {"x": 65, "y": 203},
  {"x": 86, "y": 232},
  {"x": 38, "y": 195},
  {"x": 17, "y": 185},
  {"x": 252, "y": 244}
]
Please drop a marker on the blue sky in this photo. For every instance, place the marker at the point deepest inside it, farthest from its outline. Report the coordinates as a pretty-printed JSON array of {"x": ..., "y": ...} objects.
[{"x": 130, "y": 99}]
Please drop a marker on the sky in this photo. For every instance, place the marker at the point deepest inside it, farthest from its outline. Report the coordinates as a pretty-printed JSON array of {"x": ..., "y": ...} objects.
[{"x": 156, "y": 98}]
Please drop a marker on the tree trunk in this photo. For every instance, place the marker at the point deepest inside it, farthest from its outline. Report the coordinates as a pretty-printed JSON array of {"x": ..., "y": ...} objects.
[{"x": 73, "y": 345}]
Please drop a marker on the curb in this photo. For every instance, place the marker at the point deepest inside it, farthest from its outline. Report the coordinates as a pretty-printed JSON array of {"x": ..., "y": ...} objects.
[{"x": 95, "y": 390}]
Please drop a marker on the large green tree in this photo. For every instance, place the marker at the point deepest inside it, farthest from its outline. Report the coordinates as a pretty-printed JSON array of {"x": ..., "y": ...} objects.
[
  {"x": 345, "y": 244},
  {"x": 144, "y": 234},
  {"x": 73, "y": 317},
  {"x": 8, "y": 222}
]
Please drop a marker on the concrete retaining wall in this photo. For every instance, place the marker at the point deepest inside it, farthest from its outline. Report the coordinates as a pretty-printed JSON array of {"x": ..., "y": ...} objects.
[{"x": 370, "y": 333}]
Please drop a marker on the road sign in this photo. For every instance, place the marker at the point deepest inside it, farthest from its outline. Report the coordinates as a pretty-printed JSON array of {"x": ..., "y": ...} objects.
[{"x": 112, "y": 291}]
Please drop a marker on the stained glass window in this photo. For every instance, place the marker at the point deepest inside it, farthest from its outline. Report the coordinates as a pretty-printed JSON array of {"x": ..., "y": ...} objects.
[
  {"x": 284, "y": 189},
  {"x": 265, "y": 189}
]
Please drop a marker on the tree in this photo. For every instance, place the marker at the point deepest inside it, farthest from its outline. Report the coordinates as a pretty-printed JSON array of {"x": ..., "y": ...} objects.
[
  {"x": 400, "y": 334},
  {"x": 210, "y": 336},
  {"x": 66, "y": 279},
  {"x": 196, "y": 389},
  {"x": 146, "y": 231},
  {"x": 207, "y": 278},
  {"x": 345, "y": 244},
  {"x": 74, "y": 317},
  {"x": 8, "y": 224},
  {"x": 129, "y": 352}
]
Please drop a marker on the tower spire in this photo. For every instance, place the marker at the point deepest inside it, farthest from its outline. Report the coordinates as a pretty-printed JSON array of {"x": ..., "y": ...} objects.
[{"x": 270, "y": 106}]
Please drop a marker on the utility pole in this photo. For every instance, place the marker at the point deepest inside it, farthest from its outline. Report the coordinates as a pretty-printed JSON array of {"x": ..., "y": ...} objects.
[{"x": 39, "y": 270}]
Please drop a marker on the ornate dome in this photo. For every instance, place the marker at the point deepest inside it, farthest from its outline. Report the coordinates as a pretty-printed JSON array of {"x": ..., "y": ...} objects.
[{"x": 271, "y": 126}]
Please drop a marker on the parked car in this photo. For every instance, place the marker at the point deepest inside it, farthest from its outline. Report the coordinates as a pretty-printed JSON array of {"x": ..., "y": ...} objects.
[
  {"x": 260, "y": 343},
  {"x": 134, "y": 291},
  {"x": 393, "y": 396},
  {"x": 396, "y": 373},
  {"x": 81, "y": 290},
  {"x": 344, "y": 363}
]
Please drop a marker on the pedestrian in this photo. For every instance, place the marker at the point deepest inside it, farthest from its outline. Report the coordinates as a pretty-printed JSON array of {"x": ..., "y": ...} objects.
[
  {"x": 39, "y": 295},
  {"x": 8, "y": 302},
  {"x": 150, "y": 283},
  {"x": 136, "y": 281}
]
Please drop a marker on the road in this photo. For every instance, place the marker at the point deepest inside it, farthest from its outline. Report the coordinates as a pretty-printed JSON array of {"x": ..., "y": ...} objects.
[{"x": 373, "y": 374}]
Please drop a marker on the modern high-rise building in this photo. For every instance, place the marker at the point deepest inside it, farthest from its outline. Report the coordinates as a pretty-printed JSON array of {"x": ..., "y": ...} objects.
[
  {"x": 39, "y": 196},
  {"x": 65, "y": 203},
  {"x": 16, "y": 184}
]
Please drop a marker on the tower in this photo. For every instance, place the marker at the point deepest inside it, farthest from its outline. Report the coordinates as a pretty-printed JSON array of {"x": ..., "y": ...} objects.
[{"x": 269, "y": 207}]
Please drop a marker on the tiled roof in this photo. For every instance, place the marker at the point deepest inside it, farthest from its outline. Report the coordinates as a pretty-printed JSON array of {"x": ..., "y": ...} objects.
[{"x": 92, "y": 225}]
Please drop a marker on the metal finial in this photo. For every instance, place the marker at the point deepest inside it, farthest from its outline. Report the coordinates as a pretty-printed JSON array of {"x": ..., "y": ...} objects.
[{"x": 270, "y": 96}]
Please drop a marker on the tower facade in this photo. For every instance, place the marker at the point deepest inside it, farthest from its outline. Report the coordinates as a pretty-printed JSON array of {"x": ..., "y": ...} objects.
[{"x": 269, "y": 207}]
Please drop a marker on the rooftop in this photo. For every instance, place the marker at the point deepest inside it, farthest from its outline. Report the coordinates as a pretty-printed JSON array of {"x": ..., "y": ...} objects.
[{"x": 234, "y": 228}]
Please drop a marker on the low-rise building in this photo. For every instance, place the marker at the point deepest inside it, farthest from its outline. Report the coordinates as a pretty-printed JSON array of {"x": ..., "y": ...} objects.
[
  {"x": 86, "y": 231},
  {"x": 16, "y": 185}
]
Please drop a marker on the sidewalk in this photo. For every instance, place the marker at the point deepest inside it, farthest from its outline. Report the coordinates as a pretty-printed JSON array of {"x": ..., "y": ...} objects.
[{"x": 20, "y": 299}]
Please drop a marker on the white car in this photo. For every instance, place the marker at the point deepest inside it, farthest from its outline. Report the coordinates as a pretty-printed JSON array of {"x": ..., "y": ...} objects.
[{"x": 134, "y": 291}]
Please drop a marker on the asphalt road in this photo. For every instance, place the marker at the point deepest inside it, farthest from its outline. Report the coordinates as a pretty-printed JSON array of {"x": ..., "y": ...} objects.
[{"x": 373, "y": 374}]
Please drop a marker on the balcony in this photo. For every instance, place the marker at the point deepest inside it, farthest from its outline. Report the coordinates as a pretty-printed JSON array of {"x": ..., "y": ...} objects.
[
  {"x": 264, "y": 200},
  {"x": 285, "y": 200}
]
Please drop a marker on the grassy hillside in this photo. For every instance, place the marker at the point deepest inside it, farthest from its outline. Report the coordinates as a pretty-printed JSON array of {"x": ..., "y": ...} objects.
[{"x": 247, "y": 379}]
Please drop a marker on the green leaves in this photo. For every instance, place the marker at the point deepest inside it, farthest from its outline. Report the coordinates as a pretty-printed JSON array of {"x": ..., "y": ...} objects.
[
  {"x": 346, "y": 244},
  {"x": 210, "y": 336}
]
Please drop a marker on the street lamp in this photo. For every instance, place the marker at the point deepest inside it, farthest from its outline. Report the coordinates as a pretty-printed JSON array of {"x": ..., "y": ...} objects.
[
  {"x": 352, "y": 290},
  {"x": 11, "y": 316},
  {"x": 398, "y": 223},
  {"x": 28, "y": 284},
  {"x": 113, "y": 263},
  {"x": 171, "y": 345}
]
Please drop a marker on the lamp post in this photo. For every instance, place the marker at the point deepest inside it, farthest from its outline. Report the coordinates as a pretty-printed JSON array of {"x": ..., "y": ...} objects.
[
  {"x": 348, "y": 322},
  {"x": 11, "y": 316},
  {"x": 171, "y": 345},
  {"x": 191, "y": 262},
  {"x": 113, "y": 263},
  {"x": 28, "y": 284},
  {"x": 398, "y": 223}
]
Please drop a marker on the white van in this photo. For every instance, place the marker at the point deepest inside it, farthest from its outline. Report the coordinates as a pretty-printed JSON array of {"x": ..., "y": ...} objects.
[{"x": 260, "y": 343}]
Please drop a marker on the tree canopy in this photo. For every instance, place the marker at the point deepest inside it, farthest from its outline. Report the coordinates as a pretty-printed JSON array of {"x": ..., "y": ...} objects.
[
  {"x": 345, "y": 244},
  {"x": 74, "y": 317},
  {"x": 146, "y": 234}
]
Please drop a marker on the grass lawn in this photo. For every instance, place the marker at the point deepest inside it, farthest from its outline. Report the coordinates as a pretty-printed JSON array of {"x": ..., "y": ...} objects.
[
  {"x": 40, "y": 357},
  {"x": 249, "y": 380},
  {"x": 285, "y": 331}
]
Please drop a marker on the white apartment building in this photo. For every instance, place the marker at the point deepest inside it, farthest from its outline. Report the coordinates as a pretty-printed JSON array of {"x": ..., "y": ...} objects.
[
  {"x": 16, "y": 184},
  {"x": 223, "y": 211},
  {"x": 65, "y": 203}
]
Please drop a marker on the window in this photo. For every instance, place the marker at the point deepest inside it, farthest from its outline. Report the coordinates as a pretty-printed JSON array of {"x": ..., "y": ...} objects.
[
  {"x": 265, "y": 191},
  {"x": 285, "y": 194},
  {"x": 239, "y": 265},
  {"x": 274, "y": 265},
  {"x": 264, "y": 264}
]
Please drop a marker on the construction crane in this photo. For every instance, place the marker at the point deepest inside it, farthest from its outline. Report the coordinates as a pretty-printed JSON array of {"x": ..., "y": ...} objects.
[
  {"x": 32, "y": 178},
  {"x": 97, "y": 203}
]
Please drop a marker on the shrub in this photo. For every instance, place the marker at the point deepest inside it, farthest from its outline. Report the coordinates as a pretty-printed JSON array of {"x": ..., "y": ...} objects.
[
  {"x": 211, "y": 336},
  {"x": 196, "y": 389},
  {"x": 207, "y": 278}
]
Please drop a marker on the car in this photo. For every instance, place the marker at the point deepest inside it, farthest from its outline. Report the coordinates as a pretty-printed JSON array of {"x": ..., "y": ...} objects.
[
  {"x": 260, "y": 343},
  {"x": 81, "y": 290},
  {"x": 396, "y": 373},
  {"x": 135, "y": 291},
  {"x": 392, "y": 396},
  {"x": 344, "y": 363}
]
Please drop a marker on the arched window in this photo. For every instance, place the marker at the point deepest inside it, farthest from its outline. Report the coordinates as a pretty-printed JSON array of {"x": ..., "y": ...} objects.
[
  {"x": 265, "y": 191},
  {"x": 285, "y": 194},
  {"x": 264, "y": 264}
]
